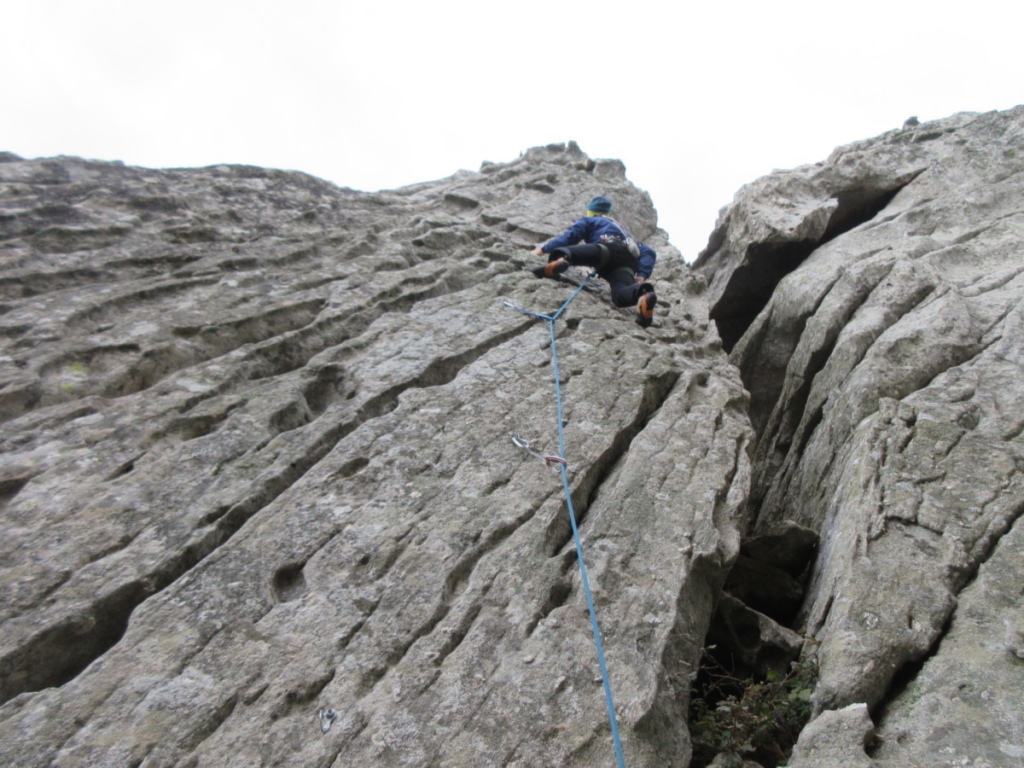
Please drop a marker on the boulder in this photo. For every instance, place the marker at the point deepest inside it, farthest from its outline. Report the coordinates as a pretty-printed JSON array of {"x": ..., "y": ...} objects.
[
  {"x": 837, "y": 739},
  {"x": 757, "y": 645}
]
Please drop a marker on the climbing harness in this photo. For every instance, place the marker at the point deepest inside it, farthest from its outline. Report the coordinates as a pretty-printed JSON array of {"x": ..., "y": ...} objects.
[
  {"x": 627, "y": 240},
  {"x": 560, "y": 465}
]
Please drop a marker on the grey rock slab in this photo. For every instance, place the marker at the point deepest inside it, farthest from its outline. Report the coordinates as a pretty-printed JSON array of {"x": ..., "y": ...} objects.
[
  {"x": 257, "y": 465},
  {"x": 931, "y": 487}
]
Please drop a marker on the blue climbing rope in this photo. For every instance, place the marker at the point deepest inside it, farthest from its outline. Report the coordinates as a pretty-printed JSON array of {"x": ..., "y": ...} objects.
[{"x": 551, "y": 319}]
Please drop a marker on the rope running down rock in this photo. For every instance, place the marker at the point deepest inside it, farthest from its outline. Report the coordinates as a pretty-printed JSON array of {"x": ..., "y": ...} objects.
[{"x": 563, "y": 469}]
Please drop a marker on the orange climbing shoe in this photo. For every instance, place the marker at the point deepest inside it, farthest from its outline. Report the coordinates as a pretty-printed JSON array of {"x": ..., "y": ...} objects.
[
  {"x": 645, "y": 309},
  {"x": 552, "y": 269}
]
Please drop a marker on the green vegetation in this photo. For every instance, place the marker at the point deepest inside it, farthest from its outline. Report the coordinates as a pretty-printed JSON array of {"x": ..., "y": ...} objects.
[{"x": 757, "y": 719}]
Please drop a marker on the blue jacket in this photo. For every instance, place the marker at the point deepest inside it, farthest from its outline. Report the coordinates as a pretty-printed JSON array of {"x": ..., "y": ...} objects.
[{"x": 589, "y": 229}]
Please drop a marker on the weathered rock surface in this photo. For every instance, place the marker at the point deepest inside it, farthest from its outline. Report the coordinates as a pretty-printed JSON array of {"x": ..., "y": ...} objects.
[
  {"x": 837, "y": 739},
  {"x": 973, "y": 682},
  {"x": 256, "y": 464},
  {"x": 873, "y": 303}
]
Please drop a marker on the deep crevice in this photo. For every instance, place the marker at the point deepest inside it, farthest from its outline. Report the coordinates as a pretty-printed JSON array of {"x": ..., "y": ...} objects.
[
  {"x": 765, "y": 264},
  {"x": 767, "y": 384},
  {"x": 752, "y": 284},
  {"x": 808, "y": 421}
]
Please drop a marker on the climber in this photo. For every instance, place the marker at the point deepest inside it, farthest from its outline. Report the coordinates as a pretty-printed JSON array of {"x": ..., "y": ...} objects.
[{"x": 598, "y": 241}]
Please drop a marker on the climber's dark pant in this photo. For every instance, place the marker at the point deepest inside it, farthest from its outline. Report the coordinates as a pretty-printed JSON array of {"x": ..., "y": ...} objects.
[{"x": 614, "y": 263}]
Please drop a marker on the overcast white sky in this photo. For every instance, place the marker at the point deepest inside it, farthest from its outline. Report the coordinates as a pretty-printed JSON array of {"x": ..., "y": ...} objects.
[{"x": 696, "y": 98}]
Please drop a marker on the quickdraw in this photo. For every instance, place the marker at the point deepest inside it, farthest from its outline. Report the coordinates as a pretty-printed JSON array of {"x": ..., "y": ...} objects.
[
  {"x": 326, "y": 716},
  {"x": 552, "y": 462}
]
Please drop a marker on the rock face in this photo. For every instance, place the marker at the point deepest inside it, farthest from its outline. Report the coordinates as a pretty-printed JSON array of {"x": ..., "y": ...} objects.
[
  {"x": 873, "y": 303},
  {"x": 261, "y": 506},
  {"x": 256, "y": 465}
]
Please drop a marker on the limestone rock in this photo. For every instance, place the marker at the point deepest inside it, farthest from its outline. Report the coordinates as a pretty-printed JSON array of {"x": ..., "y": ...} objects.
[
  {"x": 731, "y": 760},
  {"x": 837, "y": 739},
  {"x": 974, "y": 680},
  {"x": 258, "y": 496},
  {"x": 873, "y": 303},
  {"x": 752, "y": 639}
]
